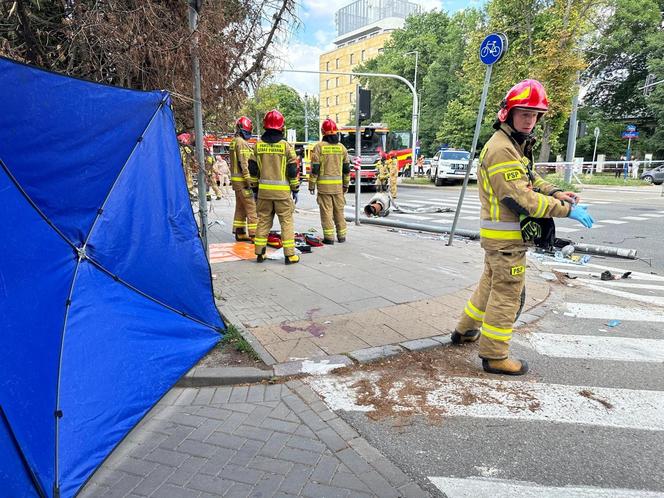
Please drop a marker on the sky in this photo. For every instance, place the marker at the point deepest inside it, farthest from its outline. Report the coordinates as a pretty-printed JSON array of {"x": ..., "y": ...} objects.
[{"x": 316, "y": 33}]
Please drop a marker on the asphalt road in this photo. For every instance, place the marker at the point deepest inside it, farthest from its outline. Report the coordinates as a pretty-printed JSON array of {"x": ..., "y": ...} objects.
[
  {"x": 586, "y": 421},
  {"x": 625, "y": 217}
]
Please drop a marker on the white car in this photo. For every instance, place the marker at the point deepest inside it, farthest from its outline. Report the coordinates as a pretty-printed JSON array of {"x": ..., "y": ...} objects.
[{"x": 449, "y": 166}]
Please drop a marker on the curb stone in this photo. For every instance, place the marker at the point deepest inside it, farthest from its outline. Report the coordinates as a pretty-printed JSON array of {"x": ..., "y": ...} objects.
[
  {"x": 224, "y": 376},
  {"x": 263, "y": 354}
]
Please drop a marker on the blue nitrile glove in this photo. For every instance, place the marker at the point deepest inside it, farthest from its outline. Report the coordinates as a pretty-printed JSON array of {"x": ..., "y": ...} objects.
[
  {"x": 580, "y": 214},
  {"x": 294, "y": 196}
]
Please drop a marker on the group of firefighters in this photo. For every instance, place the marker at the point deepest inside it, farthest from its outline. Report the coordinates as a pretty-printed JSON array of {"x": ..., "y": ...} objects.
[
  {"x": 387, "y": 168},
  {"x": 516, "y": 208},
  {"x": 265, "y": 179}
]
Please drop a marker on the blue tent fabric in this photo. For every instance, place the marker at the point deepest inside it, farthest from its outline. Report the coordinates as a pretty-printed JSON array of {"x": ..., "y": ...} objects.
[{"x": 105, "y": 291}]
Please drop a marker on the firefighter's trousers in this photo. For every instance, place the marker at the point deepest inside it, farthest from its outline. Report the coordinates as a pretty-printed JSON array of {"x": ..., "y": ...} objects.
[
  {"x": 245, "y": 212},
  {"x": 393, "y": 185},
  {"x": 283, "y": 208},
  {"x": 332, "y": 215},
  {"x": 493, "y": 306},
  {"x": 189, "y": 176},
  {"x": 212, "y": 184}
]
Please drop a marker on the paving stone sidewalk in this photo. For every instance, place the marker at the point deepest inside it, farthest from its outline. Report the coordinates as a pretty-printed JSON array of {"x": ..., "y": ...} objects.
[
  {"x": 247, "y": 441},
  {"x": 381, "y": 288}
]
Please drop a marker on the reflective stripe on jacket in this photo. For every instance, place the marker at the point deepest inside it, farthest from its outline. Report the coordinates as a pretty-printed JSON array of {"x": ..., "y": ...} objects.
[
  {"x": 277, "y": 170},
  {"x": 509, "y": 188},
  {"x": 240, "y": 153},
  {"x": 328, "y": 170}
]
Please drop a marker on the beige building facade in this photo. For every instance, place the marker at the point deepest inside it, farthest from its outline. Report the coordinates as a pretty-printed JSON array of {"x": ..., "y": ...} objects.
[
  {"x": 337, "y": 92},
  {"x": 363, "y": 28}
]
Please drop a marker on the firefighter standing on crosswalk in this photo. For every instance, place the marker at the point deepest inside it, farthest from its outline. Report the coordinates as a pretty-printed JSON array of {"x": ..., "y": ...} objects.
[
  {"x": 330, "y": 172},
  {"x": 514, "y": 200},
  {"x": 278, "y": 185},
  {"x": 241, "y": 154}
]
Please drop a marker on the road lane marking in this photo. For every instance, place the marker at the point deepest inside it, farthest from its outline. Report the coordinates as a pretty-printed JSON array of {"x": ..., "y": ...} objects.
[
  {"x": 598, "y": 348},
  {"x": 613, "y": 222},
  {"x": 596, "y": 225},
  {"x": 635, "y": 274},
  {"x": 634, "y": 218},
  {"x": 657, "y": 301},
  {"x": 652, "y": 215},
  {"x": 609, "y": 312},
  {"x": 497, "y": 399},
  {"x": 483, "y": 487},
  {"x": 566, "y": 229},
  {"x": 410, "y": 216}
]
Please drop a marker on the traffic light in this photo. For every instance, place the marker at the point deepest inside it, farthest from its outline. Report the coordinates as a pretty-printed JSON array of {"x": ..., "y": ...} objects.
[{"x": 365, "y": 104}]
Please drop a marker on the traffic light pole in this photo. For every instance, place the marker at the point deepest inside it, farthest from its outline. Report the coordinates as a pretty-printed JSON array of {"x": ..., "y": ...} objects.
[{"x": 415, "y": 119}]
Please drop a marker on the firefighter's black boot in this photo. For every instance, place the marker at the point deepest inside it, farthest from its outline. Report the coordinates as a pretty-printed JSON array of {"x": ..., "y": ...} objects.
[
  {"x": 459, "y": 338},
  {"x": 505, "y": 367},
  {"x": 341, "y": 240},
  {"x": 241, "y": 237},
  {"x": 261, "y": 257},
  {"x": 329, "y": 242}
]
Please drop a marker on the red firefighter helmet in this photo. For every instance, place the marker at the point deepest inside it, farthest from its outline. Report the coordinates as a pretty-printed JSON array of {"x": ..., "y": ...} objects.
[
  {"x": 244, "y": 123},
  {"x": 528, "y": 94},
  {"x": 184, "y": 138},
  {"x": 273, "y": 120},
  {"x": 329, "y": 127},
  {"x": 393, "y": 155}
]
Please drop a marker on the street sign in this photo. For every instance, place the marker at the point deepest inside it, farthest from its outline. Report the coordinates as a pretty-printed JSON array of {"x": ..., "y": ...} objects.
[
  {"x": 630, "y": 128},
  {"x": 492, "y": 48},
  {"x": 630, "y": 135},
  {"x": 596, "y": 132}
]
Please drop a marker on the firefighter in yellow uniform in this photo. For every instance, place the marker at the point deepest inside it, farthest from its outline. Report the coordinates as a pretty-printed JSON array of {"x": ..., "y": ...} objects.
[
  {"x": 211, "y": 176},
  {"x": 383, "y": 173},
  {"x": 278, "y": 185},
  {"x": 188, "y": 158},
  {"x": 516, "y": 203},
  {"x": 241, "y": 155},
  {"x": 330, "y": 171},
  {"x": 393, "y": 166}
]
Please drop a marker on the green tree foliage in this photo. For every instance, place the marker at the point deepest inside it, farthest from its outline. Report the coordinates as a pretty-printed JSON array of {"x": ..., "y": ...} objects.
[
  {"x": 544, "y": 38},
  {"x": 618, "y": 57},
  {"x": 441, "y": 42},
  {"x": 287, "y": 101}
]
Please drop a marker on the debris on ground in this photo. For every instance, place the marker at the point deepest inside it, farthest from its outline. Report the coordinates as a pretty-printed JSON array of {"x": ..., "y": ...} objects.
[
  {"x": 548, "y": 276},
  {"x": 587, "y": 393},
  {"x": 613, "y": 323},
  {"x": 398, "y": 388}
]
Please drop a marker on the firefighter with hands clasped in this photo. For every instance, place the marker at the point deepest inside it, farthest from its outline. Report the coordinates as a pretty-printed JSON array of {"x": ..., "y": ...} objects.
[
  {"x": 277, "y": 173},
  {"x": 517, "y": 204},
  {"x": 330, "y": 172},
  {"x": 393, "y": 167},
  {"x": 241, "y": 155}
]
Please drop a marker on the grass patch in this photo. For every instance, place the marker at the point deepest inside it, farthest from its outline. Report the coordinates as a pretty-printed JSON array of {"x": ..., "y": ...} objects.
[
  {"x": 596, "y": 179},
  {"x": 233, "y": 338},
  {"x": 416, "y": 181},
  {"x": 559, "y": 182}
]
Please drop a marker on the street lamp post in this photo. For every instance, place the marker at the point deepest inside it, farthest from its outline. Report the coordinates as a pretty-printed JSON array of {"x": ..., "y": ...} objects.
[
  {"x": 306, "y": 120},
  {"x": 571, "y": 135},
  {"x": 416, "y": 130}
]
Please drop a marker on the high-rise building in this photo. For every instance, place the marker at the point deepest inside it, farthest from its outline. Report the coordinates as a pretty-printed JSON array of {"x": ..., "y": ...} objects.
[{"x": 363, "y": 27}]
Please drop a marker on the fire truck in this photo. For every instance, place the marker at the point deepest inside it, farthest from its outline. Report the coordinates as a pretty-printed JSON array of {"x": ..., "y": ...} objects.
[{"x": 376, "y": 140}]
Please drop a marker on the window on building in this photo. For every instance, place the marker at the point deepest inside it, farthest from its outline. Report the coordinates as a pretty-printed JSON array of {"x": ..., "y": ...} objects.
[
  {"x": 363, "y": 54},
  {"x": 327, "y": 66},
  {"x": 380, "y": 50},
  {"x": 327, "y": 84},
  {"x": 336, "y": 63},
  {"x": 336, "y": 117},
  {"x": 337, "y": 82},
  {"x": 327, "y": 101},
  {"x": 352, "y": 57},
  {"x": 350, "y": 97},
  {"x": 350, "y": 80},
  {"x": 336, "y": 100}
]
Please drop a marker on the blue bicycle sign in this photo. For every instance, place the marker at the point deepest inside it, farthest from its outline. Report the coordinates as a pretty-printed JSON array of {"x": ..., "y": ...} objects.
[{"x": 492, "y": 48}]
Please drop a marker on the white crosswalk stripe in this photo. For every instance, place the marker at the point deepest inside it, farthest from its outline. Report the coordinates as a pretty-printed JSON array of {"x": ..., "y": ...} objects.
[
  {"x": 455, "y": 487},
  {"x": 613, "y": 222},
  {"x": 634, "y": 218},
  {"x": 598, "y": 348}
]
